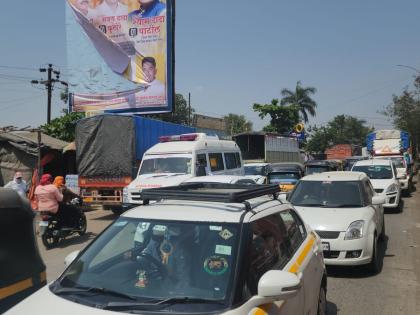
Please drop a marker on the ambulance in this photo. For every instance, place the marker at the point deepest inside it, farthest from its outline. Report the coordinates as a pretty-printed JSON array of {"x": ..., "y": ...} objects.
[{"x": 178, "y": 158}]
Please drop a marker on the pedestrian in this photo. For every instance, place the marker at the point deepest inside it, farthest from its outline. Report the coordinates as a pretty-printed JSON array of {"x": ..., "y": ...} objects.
[{"x": 18, "y": 184}]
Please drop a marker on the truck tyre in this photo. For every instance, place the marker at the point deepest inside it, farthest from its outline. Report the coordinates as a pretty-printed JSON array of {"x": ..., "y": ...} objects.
[{"x": 117, "y": 210}]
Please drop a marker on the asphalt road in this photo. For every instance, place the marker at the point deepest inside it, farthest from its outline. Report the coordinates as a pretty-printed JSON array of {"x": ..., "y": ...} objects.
[{"x": 396, "y": 290}]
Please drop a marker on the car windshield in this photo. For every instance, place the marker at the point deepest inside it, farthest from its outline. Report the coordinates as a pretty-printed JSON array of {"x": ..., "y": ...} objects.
[
  {"x": 157, "y": 260},
  {"x": 328, "y": 194},
  {"x": 255, "y": 170},
  {"x": 316, "y": 169},
  {"x": 398, "y": 161},
  {"x": 159, "y": 165},
  {"x": 276, "y": 178},
  {"x": 375, "y": 171}
]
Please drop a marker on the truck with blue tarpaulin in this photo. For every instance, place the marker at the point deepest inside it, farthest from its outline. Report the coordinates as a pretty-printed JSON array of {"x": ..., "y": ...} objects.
[{"x": 109, "y": 149}]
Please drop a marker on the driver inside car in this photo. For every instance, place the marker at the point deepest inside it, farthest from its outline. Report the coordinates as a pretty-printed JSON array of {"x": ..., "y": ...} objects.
[{"x": 166, "y": 259}]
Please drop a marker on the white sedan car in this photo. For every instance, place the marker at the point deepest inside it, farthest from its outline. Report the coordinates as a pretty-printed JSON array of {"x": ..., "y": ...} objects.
[
  {"x": 383, "y": 176},
  {"x": 347, "y": 214}
]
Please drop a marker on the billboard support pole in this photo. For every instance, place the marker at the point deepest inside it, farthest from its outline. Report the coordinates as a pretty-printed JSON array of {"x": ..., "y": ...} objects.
[{"x": 189, "y": 109}]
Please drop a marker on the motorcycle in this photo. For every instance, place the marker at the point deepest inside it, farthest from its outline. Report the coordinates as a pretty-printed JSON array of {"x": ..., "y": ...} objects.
[{"x": 52, "y": 230}]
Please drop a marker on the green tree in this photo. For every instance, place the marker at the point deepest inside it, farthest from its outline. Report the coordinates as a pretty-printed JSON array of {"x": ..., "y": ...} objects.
[
  {"x": 236, "y": 124},
  {"x": 283, "y": 117},
  {"x": 404, "y": 112},
  {"x": 63, "y": 127},
  {"x": 301, "y": 98},
  {"x": 342, "y": 129},
  {"x": 180, "y": 115}
]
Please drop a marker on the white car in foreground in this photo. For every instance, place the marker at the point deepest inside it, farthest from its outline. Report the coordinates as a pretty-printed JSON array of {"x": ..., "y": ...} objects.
[
  {"x": 383, "y": 176},
  {"x": 347, "y": 214},
  {"x": 241, "y": 253}
]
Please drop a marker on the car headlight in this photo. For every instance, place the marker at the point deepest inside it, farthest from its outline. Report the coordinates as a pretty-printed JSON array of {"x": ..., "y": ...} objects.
[
  {"x": 125, "y": 195},
  {"x": 355, "y": 230},
  {"x": 391, "y": 189}
]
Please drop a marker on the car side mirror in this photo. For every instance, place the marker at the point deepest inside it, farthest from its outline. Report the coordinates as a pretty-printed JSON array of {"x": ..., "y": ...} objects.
[
  {"x": 278, "y": 285},
  {"x": 378, "y": 200},
  {"x": 71, "y": 257}
]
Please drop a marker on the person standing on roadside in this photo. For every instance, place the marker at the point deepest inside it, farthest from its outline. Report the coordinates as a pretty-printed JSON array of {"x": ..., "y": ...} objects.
[{"x": 18, "y": 184}]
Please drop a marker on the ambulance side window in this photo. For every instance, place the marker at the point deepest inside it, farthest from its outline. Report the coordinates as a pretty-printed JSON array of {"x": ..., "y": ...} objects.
[{"x": 216, "y": 162}]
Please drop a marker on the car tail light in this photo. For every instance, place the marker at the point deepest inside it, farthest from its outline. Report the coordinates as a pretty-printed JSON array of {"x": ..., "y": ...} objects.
[{"x": 45, "y": 217}]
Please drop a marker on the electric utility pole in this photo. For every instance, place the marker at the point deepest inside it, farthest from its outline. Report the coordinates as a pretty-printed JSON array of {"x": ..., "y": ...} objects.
[{"x": 49, "y": 85}]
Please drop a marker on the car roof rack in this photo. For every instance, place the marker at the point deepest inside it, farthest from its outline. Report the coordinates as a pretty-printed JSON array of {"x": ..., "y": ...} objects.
[{"x": 215, "y": 192}]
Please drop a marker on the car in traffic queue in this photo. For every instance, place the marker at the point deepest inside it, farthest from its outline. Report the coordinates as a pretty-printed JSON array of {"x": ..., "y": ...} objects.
[
  {"x": 403, "y": 172},
  {"x": 258, "y": 171},
  {"x": 345, "y": 211},
  {"x": 384, "y": 178},
  {"x": 207, "y": 249},
  {"x": 320, "y": 166},
  {"x": 22, "y": 269},
  {"x": 286, "y": 175},
  {"x": 350, "y": 161}
]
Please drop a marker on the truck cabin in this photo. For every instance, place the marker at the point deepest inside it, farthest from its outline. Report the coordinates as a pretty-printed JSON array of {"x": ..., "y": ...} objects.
[{"x": 320, "y": 166}]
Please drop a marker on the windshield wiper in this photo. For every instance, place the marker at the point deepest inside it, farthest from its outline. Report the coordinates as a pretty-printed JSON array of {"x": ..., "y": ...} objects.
[
  {"x": 346, "y": 206},
  {"x": 79, "y": 289},
  {"x": 158, "y": 304}
]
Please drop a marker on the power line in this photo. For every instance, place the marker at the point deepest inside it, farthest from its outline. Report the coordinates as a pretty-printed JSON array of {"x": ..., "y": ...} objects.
[{"x": 18, "y": 68}]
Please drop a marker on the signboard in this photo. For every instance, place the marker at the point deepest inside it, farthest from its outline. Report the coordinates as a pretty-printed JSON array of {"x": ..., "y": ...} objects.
[{"x": 135, "y": 40}]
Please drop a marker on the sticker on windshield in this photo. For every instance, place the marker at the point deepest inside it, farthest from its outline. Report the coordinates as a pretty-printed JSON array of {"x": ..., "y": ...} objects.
[
  {"x": 120, "y": 223},
  {"x": 216, "y": 265},
  {"x": 215, "y": 228},
  {"x": 223, "y": 250},
  {"x": 225, "y": 234},
  {"x": 327, "y": 182}
]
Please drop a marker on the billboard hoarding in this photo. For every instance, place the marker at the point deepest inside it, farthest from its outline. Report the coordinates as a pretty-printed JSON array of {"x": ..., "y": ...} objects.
[{"x": 135, "y": 40}]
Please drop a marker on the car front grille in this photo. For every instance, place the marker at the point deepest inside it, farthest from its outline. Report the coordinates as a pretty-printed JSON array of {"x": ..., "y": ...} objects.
[
  {"x": 328, "y": 234},
  {"x": 379, "y": 191},
  {"x": 331, "y": 254}
]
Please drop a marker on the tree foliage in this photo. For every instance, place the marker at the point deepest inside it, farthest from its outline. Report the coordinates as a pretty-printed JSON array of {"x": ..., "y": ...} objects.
[
  {"x": 283, "y": 118},
  {"x": 342, "y": 129},
  {"x": 404, "y": 112},
  {"x": 237, "y": 124},
  {"x": 301, "y": 98},
  {"x": 63, "y": 127},
  {"x": 180, "y": 115}
]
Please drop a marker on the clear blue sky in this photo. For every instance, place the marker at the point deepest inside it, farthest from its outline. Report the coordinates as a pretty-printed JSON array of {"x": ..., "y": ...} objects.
[{"x": 231, "y": 54}]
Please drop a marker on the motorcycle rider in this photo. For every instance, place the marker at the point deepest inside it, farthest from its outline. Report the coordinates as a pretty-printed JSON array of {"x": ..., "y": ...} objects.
[
  {"x": 68, "y": 213},
  {"x": 47, "y": 195}
]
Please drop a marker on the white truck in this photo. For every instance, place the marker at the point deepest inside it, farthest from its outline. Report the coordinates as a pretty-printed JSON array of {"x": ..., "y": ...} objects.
[{"x": 393, "y": 145}]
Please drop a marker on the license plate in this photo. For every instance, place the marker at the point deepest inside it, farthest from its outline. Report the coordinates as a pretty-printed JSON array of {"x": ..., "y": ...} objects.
[
  {"x": 43, "y": 223},
  {"x": 325, "y": 246},
  {"x": 87, "y": 199}
]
